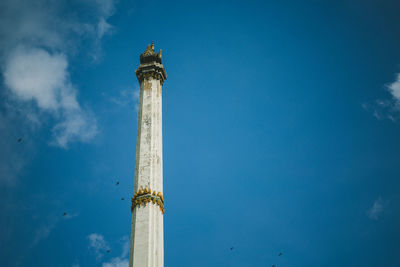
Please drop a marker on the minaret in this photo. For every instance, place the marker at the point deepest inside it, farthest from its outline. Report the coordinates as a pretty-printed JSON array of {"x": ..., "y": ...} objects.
[{"x": 147, "y": 235}]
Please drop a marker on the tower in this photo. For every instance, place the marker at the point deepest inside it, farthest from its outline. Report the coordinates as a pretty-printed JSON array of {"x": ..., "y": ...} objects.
[{"x": 147, "y": 235}]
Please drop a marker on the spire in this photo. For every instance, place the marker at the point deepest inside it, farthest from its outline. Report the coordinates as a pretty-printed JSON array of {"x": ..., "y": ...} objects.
[{"x": 149, "y": 50}]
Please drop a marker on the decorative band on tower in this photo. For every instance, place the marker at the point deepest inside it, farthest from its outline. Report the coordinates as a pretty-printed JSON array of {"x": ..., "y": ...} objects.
[
  {"x": 144, "y": 196},
  {"x": 151, "y": 65}
]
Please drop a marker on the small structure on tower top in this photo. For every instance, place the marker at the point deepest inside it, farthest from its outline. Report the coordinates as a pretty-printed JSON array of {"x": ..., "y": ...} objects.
[{"x": 151, "y": 62}]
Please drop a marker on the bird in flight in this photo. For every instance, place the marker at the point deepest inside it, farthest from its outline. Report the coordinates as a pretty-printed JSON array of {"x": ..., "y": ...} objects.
[
  {"x": 117, "y": 183},
  {"x": 280, "y": 254},
  {"x": 122, "y": 198},
  {"x": 108, "y": 251},
  {"x": 231, "y": 248},
  {"x": 19, "y": 140},
  {"x": 64, "y": 214}
]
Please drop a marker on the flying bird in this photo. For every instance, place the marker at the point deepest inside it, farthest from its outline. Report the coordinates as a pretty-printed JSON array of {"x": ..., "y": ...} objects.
[
  {"x": 19, "y": 140},
  {"x": 108, "y": 251},
  {"x": 64, "y": 214},
  {"x": 117, "y": 183},
  {"x": 280, "y": 254},
  {"x": 122, "y": 198},
  {"x": 231, "y": 248}
]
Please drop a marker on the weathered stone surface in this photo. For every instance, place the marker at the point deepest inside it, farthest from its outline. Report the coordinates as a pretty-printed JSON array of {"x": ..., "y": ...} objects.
[{"x": 147, "y": 237}]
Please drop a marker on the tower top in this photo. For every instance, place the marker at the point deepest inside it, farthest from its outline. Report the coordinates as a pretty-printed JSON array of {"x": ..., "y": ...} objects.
[
  {"x": 151, "y": 65},
  {"x": 150, "y": 55}
]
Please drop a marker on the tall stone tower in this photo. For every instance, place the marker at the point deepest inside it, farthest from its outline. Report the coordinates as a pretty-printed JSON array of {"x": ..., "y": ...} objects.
[{"x": 147, "y": 235}]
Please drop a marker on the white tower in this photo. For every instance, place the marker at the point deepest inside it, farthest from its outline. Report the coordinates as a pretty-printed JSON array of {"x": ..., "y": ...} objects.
[{"x": 147, "y": 235}]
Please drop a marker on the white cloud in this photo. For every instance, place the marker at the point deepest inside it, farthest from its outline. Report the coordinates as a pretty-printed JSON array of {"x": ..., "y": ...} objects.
[
  {"x": 37, "y": 38},
  {"x": 36, "y": 75},
  {"x": 394, "y": 89},
  {"x": 387, "y": 108},
  {"x": 376, "y": 209},
  {"x": 98, "y": 244}
]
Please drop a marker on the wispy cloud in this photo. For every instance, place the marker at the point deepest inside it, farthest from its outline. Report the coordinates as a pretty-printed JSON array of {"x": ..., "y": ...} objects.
[
  {"x": 394, "y": 89},
  {"x": 388, "y": 108},
  {"x": 117, "y": 262},
  {"x": 98, "y": 244},
  {"x": 128, "y": 98},
  {"x": 122, "y": 260},
  {"x": 52, "y": 25},
  {"x": 376, "y": 209},
  {"x": 106, "y": 9},
  {"x": 44, "y": 231}
]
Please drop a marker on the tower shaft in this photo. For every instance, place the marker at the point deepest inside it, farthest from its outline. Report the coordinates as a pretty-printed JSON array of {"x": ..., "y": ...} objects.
[{"x": 147, "y": 237}]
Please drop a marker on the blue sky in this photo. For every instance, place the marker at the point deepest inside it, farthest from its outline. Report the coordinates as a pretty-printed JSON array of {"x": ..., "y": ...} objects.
[{"x": 281, "y": 125}]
